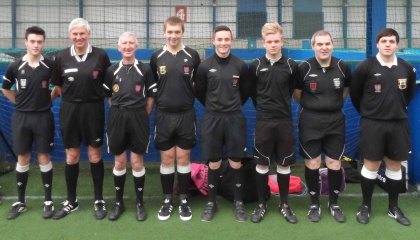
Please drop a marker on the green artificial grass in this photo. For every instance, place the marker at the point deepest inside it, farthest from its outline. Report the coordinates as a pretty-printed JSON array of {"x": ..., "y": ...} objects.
[{"x": 82, "y": 224}]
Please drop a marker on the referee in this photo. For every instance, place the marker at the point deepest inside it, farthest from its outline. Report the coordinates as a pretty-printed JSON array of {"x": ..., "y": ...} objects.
[
  {"x": 174, "y": 67},
  {"x": 383, "y": 87},
  {"x": 32, "y": 121},
  {"x": 223, "y": 86},
  {"x": 274, "y": 76},
  {"x": 321, "y": 90},
  {"x": 132, "y": 91},
  {"x": 78, "y": 76}
]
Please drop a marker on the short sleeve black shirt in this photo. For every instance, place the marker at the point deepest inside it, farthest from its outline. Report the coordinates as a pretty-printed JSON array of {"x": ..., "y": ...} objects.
[
  {"x": 322, "y": 88},
  {"x": 81, "y": 77},
  {"x": 175, "y": 76},
  {"x": 382, "y": 93},
  {"x": 223, "y": 84},
  {"x": 273, "y": 86},
  {"x": 130, "y": 85},
  {"x": 32, "y": 84}
]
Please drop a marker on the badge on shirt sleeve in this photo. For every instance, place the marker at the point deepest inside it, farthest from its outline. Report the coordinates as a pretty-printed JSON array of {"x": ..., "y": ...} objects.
[
  {"x": 44, "y": 84},
  {"x": 116, "y": 88},
  {"x": 138, "y": 88},
  {"x": 162, "y": 70},
  {"x": 235, "y": 80},
  {"x": 402, "y": 83},
  {"x": 312, "y": 86},
  {"x": 95, "y": 74}
]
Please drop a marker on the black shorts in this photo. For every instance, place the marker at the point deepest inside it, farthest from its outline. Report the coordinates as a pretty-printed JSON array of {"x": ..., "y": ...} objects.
[
  {"x": 220, "y": 130},
  {"x": 322, "y": 132},
  {"x": 128, "y": 129},
  {"x": 385, "y": 138},
  {"x": 82, "y": 122},
  {"x": 175, "y": 129},
  {"x": 274, "y": 139},
  {"x": 33, "y": 128}
]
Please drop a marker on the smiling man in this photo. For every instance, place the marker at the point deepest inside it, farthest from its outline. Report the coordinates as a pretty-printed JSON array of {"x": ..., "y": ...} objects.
[
  {"x": 223, "y": 86},
  {"x": 323, "y": 85},
  {"x": 32, "y": 121},
  {"x": 274, "y": 76},
  {"x": 78, "y": 76},
  {"x": 174, "y": 67},
  {"x": 383, "y": 87},
  {"x": 132, "y": 89}
]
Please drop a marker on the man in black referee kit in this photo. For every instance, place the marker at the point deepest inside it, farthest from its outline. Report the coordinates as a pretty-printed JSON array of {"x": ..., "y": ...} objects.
[
  {"x": 223, "y": 86},
  {"x": 273, "y": 76},
  {"x": 32, "y": 121},
  {"x": 132, "y": 89},
  {"x": 174, "y": 67},
  {"x": 323, "y": 85},
  {"x": 78, "y": 76},
  {"x": 383, "y": 87}
]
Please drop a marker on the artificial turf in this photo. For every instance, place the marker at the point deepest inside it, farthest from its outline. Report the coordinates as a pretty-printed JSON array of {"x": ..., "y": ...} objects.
[{"x": 82, "y": 224}]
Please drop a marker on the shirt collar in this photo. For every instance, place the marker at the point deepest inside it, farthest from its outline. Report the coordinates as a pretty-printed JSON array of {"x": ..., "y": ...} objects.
[
  {"x": 166, "y": 49},
  {"x": 83, "y": 58},
  {"x": 394, "y": 62},
  {"x": 25, "y": 59}
]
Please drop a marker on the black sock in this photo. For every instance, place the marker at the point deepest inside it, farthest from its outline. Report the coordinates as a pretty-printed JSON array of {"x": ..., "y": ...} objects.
[
  {"x": 261, "y": 181},
  {"x": 119, "y": 182},
  {"x": 72, "y": 174},
  {"x": 184, "y": 180},
  {"x": 312, "y": 180},
  {"x": 238, "y": 184},
  {"x": 97, "y": 171},
  {"x": 368, "y": 185},
  {"x": 22, "y": 181},
  {"x": 213, "y": 179},
  {"x": 139, "y": 187},
  {"x": 167, "y": 181},
  {"x": 47, "y": 182},
  {"x": 335, "y": 178},
  {"x": 394, "y": 187},
  {"x": 283, "y": 180}
]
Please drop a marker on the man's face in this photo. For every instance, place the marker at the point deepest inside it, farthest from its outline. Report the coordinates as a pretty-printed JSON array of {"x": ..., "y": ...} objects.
[
  {"x": 323, "y": 47},
  {"x": 222, "y": 40},
  {"x": 80, "y": 37},
  {"x": 387, "y": 46},
  {"x": 273, "y": 44},
  {"x": 127, "y": 46},
  {"x": 173, "y": 35},
  {"x": 34, "y": 44}
]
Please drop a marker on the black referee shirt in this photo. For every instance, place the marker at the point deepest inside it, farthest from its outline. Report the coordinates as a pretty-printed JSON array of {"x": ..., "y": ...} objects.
[
  {"x": 175, "y": 76},
  {"x": 130, "y": 85},
  {"x": 223, "y": 84},
  {"x": 81, "y": 77},
  {"x": 322, "y": 88},
  {"x": 32, "y": 84},
  {"x": 382, "y": 93},
  {"x": 273, "y": 86}
]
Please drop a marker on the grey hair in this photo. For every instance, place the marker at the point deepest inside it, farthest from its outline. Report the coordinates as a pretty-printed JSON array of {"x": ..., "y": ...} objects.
[
  {"x": 79, "y": 22},
  {"x": 128, "y": 34}
]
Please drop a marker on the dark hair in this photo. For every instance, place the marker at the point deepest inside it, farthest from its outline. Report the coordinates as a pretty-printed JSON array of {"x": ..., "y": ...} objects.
[
  {"x": 387, "y": 32},
  {"x": 34, "y": 30},
  {"x": 174, "y": 20},
  {"x": 222, "y": 28}
]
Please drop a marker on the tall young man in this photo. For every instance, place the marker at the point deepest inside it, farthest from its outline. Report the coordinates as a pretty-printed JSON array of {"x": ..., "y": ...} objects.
[
  {"x": 223, "y": 86},
  {"x": 274, "y": 76},
  {"x": 32, "y": 121},
  {"x": 383, "y": 86},
  {"x": 131, "y": 96},
  {"x": 174, "y": 67},
  {"x": 78, "y": 76},
  {"x": 323, "y": 85}
]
